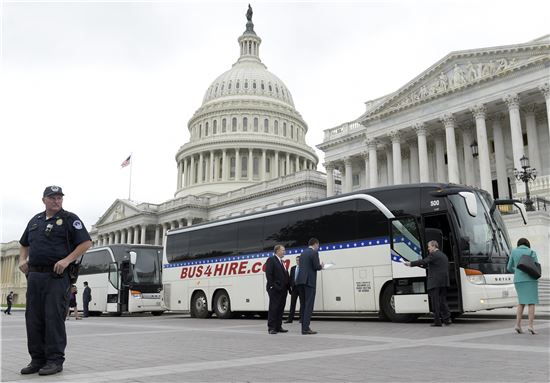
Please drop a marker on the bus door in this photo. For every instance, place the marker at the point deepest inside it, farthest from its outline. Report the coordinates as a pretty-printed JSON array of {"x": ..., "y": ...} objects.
[
  {"x": 438, "y": 228},
  {"x": 126, "y": 278},
  {"x": 113, "y": 288},
  {"x": 410, "y": 295}
]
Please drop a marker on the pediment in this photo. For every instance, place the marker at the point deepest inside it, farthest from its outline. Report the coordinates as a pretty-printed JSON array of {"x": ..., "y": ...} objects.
[
  {"x": 120, "y": 209},
  {"x": 460, "y": 70}
]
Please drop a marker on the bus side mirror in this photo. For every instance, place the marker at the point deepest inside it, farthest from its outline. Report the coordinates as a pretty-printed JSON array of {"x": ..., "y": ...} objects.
[
  {"x": 470, "y": 201},
  {"x": 133, "y": 257}
]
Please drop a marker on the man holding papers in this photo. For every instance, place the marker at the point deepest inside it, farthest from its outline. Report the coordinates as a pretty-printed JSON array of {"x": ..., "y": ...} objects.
[{"x": 307, "y": 280}]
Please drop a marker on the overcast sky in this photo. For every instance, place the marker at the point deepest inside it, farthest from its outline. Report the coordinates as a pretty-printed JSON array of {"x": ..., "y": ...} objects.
[{"x": 85, "y": 83}]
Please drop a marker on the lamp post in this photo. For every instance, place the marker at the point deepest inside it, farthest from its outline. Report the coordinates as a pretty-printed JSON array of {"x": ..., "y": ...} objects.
[
  {"x": 526, "y": 175},
  {"x": 475, "y": 149}
]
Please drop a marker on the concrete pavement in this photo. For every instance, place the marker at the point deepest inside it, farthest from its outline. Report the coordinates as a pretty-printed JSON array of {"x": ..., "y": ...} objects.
[{"x": 177, "y": 348}]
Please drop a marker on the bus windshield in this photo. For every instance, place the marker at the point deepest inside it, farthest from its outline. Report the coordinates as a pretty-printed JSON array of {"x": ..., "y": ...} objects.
[
  {"x": 147, "y": 269},
  {"x": 483, "y": 241}
]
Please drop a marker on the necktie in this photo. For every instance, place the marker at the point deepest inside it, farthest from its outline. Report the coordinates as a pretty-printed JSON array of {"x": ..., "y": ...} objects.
[{"x": 296, "y": 273}]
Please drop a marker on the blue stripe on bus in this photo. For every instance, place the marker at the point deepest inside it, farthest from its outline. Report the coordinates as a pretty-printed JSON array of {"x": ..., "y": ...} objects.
[{"x": 299, "y": 250}]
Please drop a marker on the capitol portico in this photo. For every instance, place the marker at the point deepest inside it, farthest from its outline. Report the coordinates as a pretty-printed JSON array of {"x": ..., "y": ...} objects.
[{"x": 468, "y": 119}]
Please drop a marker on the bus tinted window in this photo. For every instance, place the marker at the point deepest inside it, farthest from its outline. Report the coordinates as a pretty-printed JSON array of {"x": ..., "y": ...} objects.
[
  {"x": 250, "y": 235},
  {"x": 371, "y": 222},
  {"x": 215, "y": 241},
  {"x": 302, "y": 225},
  {"x": 338, "y": 222},
  {"x": 275, "y": 229},
  {"x": 95, "y": 262},
  {"x": 177, "y": 248}
]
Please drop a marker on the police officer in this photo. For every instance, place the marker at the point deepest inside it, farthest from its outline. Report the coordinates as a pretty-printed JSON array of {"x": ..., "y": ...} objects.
[{"x": 52, "y": 240}]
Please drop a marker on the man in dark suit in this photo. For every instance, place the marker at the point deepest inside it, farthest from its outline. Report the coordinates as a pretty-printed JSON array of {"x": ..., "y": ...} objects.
[
  {"x": 307, "y": 281},
  {"x": 295, "y": 292},
  {"x": 86, "y": 298},
  {"x": 437, "y": 282},
  {"x": 277, "y": 289}
]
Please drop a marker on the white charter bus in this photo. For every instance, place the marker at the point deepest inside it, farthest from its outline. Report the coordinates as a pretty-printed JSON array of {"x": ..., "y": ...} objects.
[
  {"x": 123, "y": 278},
  {"x": 218, "y": 267}
]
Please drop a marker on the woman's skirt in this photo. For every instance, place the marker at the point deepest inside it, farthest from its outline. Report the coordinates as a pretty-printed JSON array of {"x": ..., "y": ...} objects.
[{"x": 528, "y": 292}]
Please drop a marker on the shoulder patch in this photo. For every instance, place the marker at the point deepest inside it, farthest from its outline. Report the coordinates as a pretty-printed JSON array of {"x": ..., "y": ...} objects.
[{"x": 77, "y": 225}]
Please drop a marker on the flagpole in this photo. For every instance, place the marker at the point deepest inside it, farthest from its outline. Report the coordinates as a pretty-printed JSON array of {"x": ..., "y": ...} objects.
[{"x": 130, "y": 182}]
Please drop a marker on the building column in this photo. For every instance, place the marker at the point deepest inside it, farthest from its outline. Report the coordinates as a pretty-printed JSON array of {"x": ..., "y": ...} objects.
[
  {"x": 123, "y": 233},
  {"x": 287, "y": 170},
  {"x": 452, "y": 158},
  {"x": 330, "y": 179},
  {"x": 512, "y": 101},
  {"x": 545, "y": 89},
  {"x": 263, "y": 173},
  {"x": 143, "y": 234},
  {"x": 117, "y": 236},
  {"x": 224, "y": 165},
  {"x": 192, "y": 172},
  {"x": 237, "y": 165},
  {"x": 180, "y": 171},
  {"x": 276, "y": 165},
  {"x": 157, "y": 235},
  {"x": 397, "y": 161},
  {"x": 212, "y": 177},
  {"x": 440, "y": 158},
  {"x": 389, "y": 163},
  {"x": 366, "y": 159},
  {"x": 500, "y": 157},
  {"x": 250, "y": 164},
  {"x": 348, "y": 184},
  {"x": 479, "y": 112},
  {"x": 201, "y": 167},
  {"x": 373, "y": 163},
  {"x": 130, "y": 239},
  {"x": 420, "y": 129},
  {"x": 136, "y": 235},
  {"x": 467, "y": 141},
  {"x": 532, "y": 139},
  {"x": 413, "y": 155},
  {"x": 216, "y": 176},
  {"x": 297, "y": 164}
]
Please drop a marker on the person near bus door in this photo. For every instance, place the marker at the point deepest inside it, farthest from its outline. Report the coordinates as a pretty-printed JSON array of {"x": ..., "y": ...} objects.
[
  {"x": 86, "y": 298},
  {"x": 277, "y": 288},
  {"x": 295, "y": 292},
  {"x": 307, "y": 281},
  {"x": 437, "y": 282},
  {"x": 9, "y": 301},
  {"x": 52, "y": 240}
]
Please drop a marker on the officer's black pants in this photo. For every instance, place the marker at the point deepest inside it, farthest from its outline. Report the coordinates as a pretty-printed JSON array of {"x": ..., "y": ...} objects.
[{"x": 47, "y": 300}]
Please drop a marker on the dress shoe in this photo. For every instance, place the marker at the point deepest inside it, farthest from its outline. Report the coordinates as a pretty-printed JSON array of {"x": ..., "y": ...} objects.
[
  {"x": 50, "y": 369},
  {"x": 436, "y": 325},
  {"x": 288, "y": 321},
  {"x": 281, "y": 330},
  {"x": 309, "y": 332},
  {"x": 272, "y": 332},
  {"x": 447, "y": 322},
  {"x": 31, "y": 368}
]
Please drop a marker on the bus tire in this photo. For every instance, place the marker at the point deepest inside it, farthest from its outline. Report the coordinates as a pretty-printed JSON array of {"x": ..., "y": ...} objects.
[
  {"x": 387, "y": 309},
  {"x": 157, "y": 313},
  {"x": 199, "y": 305},
  {"x": 222, "y": 305}
]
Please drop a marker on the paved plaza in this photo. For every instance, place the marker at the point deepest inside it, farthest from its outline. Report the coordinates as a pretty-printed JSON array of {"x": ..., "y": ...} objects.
[{"x": 177, "y": 348}]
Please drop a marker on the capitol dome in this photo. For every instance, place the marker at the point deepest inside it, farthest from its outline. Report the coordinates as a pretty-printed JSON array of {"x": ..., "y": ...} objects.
[{"x": 246, "y": 131}]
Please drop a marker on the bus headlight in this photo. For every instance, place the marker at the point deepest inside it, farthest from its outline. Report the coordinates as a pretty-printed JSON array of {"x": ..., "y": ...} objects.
[
  {"x": 475, "y": 276},
  {"x": 136, "y": 294}
]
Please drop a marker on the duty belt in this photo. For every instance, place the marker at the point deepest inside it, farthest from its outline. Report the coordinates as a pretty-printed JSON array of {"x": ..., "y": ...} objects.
[{"x": 41, "y": 269}]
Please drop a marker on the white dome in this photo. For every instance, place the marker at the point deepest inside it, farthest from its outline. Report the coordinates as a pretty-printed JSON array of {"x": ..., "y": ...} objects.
[{"x": 248, "y": 78}]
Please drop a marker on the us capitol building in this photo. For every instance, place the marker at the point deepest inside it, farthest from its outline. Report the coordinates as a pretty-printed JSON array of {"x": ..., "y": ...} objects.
[{"x": 247, "y": 153}]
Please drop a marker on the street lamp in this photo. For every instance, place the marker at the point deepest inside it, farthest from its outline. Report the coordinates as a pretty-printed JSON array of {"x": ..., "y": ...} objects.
[
  {"x": 475, "y": 151},
  {"x": 526, "y": 175}
]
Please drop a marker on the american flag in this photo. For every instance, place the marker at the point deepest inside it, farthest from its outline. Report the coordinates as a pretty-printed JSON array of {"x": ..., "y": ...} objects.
[{"x": 126, "y": 162}]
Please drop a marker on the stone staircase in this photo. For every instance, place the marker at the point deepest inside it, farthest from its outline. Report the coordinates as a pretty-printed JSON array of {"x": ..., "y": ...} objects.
[{"x": 544, "y": 291}]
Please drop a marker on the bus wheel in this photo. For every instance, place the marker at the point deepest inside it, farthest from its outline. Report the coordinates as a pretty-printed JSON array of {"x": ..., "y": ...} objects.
[
  {"x": 387, "y": 308},
  {"x": 157, "y": 313},
  {"x": 222, "y": 305},
  {"x": 199, "y": 306}
]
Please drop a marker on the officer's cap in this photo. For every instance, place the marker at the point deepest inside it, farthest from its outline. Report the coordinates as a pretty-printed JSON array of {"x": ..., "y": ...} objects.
[{"x": 53, "y": 190}]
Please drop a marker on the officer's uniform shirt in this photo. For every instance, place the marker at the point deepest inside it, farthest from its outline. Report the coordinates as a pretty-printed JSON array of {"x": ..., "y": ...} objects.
[{"x": 50, "y": 240}]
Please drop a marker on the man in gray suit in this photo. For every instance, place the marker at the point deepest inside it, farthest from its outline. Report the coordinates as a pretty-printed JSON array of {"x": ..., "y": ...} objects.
[
  {"x": 437, "y": 282},
  {"x": 307, "y": 281}
]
